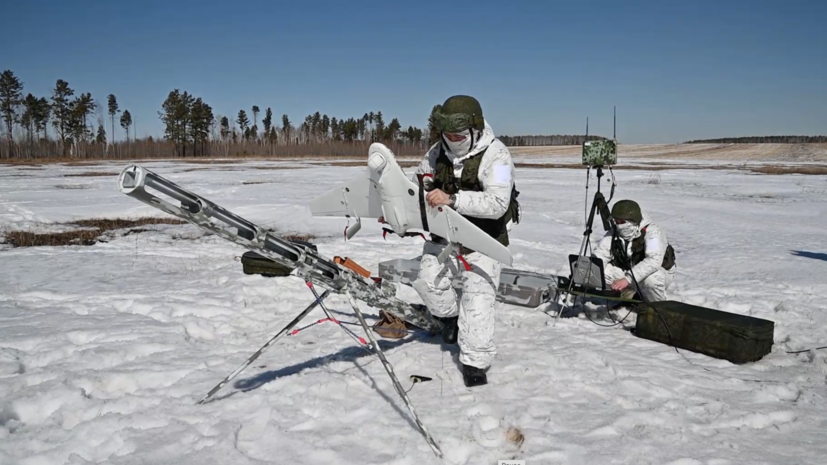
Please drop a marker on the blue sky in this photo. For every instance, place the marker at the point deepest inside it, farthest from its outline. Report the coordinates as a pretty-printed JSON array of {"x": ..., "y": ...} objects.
[{"x": 675, "y": 70}]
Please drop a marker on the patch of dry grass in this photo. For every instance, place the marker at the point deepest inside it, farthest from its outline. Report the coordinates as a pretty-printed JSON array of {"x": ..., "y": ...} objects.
[
  {"x": 94, "y": 229},
  {"x": 299, "y": 237},
  {"x": 89, "y": 174},
  {"x": 278, "y": 167},
  {"x": 190, "y": 170},
  {"x": 73, "y": 186},
  {"x": 232, "y": 168},
  {"x": 19, "y": 163},
  {"x": 83, "y": 163},
  {"x": 108, "y": 224},
  {"x": 807, "y": 169},
  {"x": 30, "y": 239}
]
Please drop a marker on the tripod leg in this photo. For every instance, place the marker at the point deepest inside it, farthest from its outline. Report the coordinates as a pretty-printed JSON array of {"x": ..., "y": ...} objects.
[
  {"x": 266, "y": 346},
  {"x": 326, "y": 311},
  {"x": 389, "y": 369}
]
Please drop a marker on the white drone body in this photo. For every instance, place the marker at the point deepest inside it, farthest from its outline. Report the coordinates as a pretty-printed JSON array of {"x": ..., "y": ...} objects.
[{"x": 385, "y": 191}]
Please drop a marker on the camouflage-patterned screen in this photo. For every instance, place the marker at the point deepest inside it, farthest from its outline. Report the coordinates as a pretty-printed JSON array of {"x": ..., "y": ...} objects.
[{"x": 600, "y": 152}]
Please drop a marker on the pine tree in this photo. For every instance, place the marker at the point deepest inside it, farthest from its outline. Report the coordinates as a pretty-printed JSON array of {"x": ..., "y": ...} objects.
[
  {"x": 306, "y": 127},
  {"x": 371, "y": 119},
  {"x": 243, "y": 123},
  {"x": 267, "y": 121},
  {"x": 177, "y": 116},
  {"x": 29, "y": 117},
  {"x": 126, "y": 121},
  {"x": 325, "y": 126},
  {"x": 11, "y": 91},
  {"x": 42, "y": 115},
  {"x": 225, "y": 127},
  {"x": 201, "y": 119},
  {"x": 334, "y": 128},
  {"x": 113, "y": 110},
  {"x": 62, "y": 111},
  {"x": 286, "y": 127},
  {"x": 362, "y": 127},
  {"x": 317, "y": 124},
  {"x": 380, "y": 126},
  {"x": 392, "y": 132},
  {"x": 82, "y": 107},
  {"x": 101, "y": 138},
  {"x": 255, "y": 115}
]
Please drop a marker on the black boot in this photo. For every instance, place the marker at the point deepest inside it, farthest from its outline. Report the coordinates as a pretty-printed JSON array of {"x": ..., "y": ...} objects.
[
  {"x": 451, "y": 330},
  {"x": 473, "y": 376}
]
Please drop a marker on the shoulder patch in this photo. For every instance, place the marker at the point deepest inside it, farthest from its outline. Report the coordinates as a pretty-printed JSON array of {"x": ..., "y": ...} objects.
[
  {"x": 653, "y": 243},
  {"x": 502, "y": 173}
]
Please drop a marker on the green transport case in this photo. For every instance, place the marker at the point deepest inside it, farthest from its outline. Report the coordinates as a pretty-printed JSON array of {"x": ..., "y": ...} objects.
[{"x": 719, "y": 334}]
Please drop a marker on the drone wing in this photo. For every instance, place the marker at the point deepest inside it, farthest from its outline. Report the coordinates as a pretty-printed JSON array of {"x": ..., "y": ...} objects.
[
  {"x": 351, "y": 199},
  {"x": 447, "y": 223}
]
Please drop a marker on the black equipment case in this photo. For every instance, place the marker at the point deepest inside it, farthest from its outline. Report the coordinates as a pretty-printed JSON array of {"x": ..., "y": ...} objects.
[{"x": 719, "y": 334}]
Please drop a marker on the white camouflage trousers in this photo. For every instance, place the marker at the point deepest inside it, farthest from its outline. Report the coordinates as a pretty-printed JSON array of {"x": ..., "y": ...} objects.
[
  {"x": 653, "y": 287},
  {"x": 473, "y": 302}
]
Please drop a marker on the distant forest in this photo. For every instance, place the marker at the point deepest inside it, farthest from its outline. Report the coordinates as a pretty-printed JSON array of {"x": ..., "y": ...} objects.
[
  {"x": 533, "y": 141},
  {"x": 763, "y": 140},
  {"x": 69, "y": 125},
  {"x": 66, "y": 124}
]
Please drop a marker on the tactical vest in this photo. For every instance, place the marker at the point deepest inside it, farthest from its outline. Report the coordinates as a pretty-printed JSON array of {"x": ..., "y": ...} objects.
[
  {"x": 620, "y": 260},
  {"x": 446, "y": 181}
]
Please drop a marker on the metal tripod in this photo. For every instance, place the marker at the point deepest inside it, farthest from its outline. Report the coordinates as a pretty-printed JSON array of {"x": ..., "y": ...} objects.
[{"x": 374, "y": 345}]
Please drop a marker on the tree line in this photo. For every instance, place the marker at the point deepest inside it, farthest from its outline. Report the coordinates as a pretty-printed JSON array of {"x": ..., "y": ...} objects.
[
  {"x": 194, "y": 130},
  {"x": 762, "y": 140},
  {"x": 70, "y": 116},
  {"x": 64, "y": 124},
  {"x": 533, "y": 141}
]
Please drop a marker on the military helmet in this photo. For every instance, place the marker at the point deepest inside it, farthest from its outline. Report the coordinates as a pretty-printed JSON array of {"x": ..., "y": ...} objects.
[
  {"x": 627, "y": 210},
  {"x": 459, "y": 113}
]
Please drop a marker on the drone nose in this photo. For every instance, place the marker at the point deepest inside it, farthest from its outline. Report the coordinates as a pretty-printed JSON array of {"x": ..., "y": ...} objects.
[{"x": 376, "y": 161}]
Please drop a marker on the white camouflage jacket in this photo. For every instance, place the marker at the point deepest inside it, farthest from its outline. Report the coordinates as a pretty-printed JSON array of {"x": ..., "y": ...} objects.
[
  {"x": 655, "y": 250},
  {"x": 496, "y": 174}
]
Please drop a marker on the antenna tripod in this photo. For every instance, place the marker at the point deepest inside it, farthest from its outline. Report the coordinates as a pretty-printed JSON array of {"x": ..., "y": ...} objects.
[
  {"x": 596, "y": 154},
  {"x": 599, "y": 204}
]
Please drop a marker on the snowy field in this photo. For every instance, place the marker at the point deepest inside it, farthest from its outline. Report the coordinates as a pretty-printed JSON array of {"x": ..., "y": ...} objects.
[{"x": 105, "y": 349}]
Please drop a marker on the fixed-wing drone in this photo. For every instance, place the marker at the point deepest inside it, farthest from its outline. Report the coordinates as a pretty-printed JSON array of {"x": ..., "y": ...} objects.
[{"x": 385, "y": 191}]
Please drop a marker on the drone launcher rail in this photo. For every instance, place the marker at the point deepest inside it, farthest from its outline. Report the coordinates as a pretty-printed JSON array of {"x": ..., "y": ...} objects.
[{"x": 151, "y": 188}]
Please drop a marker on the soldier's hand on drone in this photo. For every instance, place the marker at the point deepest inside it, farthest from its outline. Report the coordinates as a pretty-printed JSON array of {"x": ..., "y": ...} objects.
[
  {"x": 382, "y": 220},
  {"x": 620, "y": 284},
  {"x": 436, "y": 198}
]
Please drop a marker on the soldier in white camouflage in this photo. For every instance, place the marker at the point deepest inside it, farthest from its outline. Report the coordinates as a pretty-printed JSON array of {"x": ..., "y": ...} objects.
[
  {"x": 472, "y": 172},
  {"x": 647, "y": 257}
]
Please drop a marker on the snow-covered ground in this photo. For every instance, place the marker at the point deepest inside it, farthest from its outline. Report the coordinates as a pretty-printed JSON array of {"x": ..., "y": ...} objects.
[{"x": 105, "y": 349}]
